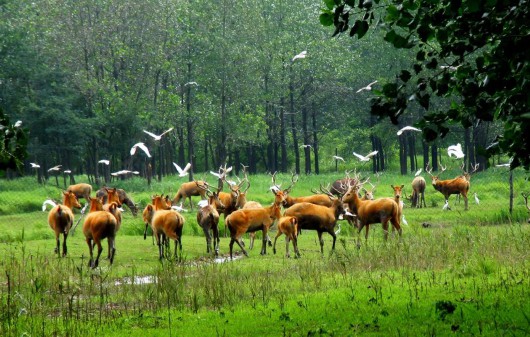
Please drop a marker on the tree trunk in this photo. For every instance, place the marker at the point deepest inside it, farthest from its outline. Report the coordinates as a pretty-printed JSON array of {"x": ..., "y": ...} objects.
[
  {"x": 293, "y": 122},
  {"x": 315, "y": 139},
  {"x": 307, "y": 140},
  {"x": 283, "y": 142}
]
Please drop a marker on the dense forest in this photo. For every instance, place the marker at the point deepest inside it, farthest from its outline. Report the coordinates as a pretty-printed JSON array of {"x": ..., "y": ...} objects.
[{"x": 86, "y": 78}]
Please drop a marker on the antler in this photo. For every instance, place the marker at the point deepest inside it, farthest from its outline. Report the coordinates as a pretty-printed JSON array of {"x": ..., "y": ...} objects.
[
  {"x": 326, "y": 191},
  {"x": 294, "y": 179},
  {"x": 244, "y": 179}
]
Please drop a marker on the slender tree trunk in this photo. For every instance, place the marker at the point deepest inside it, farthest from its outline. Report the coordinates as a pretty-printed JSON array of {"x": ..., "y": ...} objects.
[
  {"x": 403, "y": 154},
  {"x": 283, "y": 142},
  {"x": 293, "y": 122},
  {"x": 315, "y": 138},
  {"x": 434, "y": 157},
  {"x": 425, "y": 154},
  {"x": 412, "y": 152},
  {"x": 307, "y": 140}
]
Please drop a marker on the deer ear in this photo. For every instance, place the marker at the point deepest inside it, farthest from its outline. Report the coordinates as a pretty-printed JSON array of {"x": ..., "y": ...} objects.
[{"x": 392, "y": 186}]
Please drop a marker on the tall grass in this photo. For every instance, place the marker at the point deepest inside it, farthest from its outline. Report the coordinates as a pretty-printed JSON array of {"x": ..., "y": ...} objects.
[{"x": 466, "y": 272}]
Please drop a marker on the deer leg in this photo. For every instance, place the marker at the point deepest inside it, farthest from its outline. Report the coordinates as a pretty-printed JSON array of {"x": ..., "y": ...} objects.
[
  {"x": 278, "y": 233},
  {"x": 465, "y": 201},
  {"x": 216, "y": 239},
  {"x": 57, "y": 244},
  {"x": 100, "y": 249},
  {"x": 287, "y": 247},
  {"x": 360, "y": 228},
  {"x": 321, "y": 241},
  {"x": 90, "y": 249},
  {"x": 264, "y": 241},
  {"x": 145, "y": 231},
  {"x": 385, "y": 229},
  {"x": 241, "y": 245},
  {"x": 65, "y": 235},
  {"x": 295, "y": 246},
  {"x": 191, "y": 205},
  {"x": 334, "y": 236},
  {"x": 112, "y": 249},
  {"x": 252, "y": 237},
  {"x": 206, "y": 231}
]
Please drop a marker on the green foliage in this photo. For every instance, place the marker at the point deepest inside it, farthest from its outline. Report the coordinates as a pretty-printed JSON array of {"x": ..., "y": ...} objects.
[
  {"x": 13, "y": 144},
  {"x": 472, "y": 52}
]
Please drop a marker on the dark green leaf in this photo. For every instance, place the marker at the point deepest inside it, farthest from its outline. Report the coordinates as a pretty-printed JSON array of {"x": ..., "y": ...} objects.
[
  {"x": 390, "y": 90},
  {"x": 326, "y": 19},
  {"x": 420, "y": 56},
  {"x": 330, "y": 4},
  {"x": 405, "y": 75}
]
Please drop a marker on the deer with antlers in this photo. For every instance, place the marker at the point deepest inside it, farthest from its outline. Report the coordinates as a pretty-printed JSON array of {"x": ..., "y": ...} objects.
[
  {"x": 459, "y": 185},
  {"x": 370, "y": 212},
  {"x": 208, "y": 219},
  {"x": 189, "y": 189},
  {"x": 320, "y": 218}
]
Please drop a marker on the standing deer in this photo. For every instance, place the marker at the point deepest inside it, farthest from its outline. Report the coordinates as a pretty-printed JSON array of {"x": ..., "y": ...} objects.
[
  {"x": 370, "y": 212},
  {"x": 288, "y": 225},
  {"x": 458, "y": 185},
  {"x": 61, "y": 218},
  {"x": 319, "y": 218},
  {"x": 208, "y": 219},
  {"x": 251, "y": 220},
  {"x": 99, "y": 225},
  {"x": 189, "y": 189},
  {"x": 418, "y": 192},
  {"x": 81, "y": 191}
]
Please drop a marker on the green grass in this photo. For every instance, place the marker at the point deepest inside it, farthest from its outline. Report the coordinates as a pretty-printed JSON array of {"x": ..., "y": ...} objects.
[{"x": 467, "y": 274}]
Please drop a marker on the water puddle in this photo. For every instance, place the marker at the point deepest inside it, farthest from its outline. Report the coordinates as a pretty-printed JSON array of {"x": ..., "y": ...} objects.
[
  {"x": 223, "y": 259},
  {"x": 137, "y": 280}
]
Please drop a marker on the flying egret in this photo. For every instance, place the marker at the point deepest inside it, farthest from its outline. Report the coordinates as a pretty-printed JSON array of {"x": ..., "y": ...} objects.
[
  {"x": 157, "y": 137},
  {"x": 18, "y": 124},
  {"x": 302, "y": 55},
  {"x": 142, "y": 147},
  {"x": 306, "y": 145},
  {"x": 48, "y": 202},
  {"x": 67, "y": 171},
  {"x": 182, "y": 172},
  {"x": 476, "y": 198},
  {"x": 418, "y": 172},
  {"x": 367, "y": 88},
  {"x": 446, "y": 206},
  {"x": 55, "y": 168},
  {"x": 104, "y": 161},
  {"x": 338, "y": 158},
  {"x": 33, "y": 165},
  {"x": 455, "y": 150},
  {"x": 190, "y": 83},
  {"x": 367, "y": 157},
  {"x": 407, "y": 128}
]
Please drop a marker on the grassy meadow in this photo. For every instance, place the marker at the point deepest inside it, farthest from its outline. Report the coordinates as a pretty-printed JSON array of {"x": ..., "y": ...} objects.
[{"x": 453, "y": 273}]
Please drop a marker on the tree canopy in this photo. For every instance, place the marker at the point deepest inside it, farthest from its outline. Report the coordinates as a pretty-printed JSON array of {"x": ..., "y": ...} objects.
[{"x": 474, "y": 53}]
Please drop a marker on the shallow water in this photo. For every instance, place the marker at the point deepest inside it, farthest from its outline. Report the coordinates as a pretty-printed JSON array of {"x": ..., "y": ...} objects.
[{"x": 149, "y": 279}]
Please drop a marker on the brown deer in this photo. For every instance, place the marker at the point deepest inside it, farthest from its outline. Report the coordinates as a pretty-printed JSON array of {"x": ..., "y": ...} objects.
[
  {"x": 61, "y": 219},
  {"x": 208, "y": 219},
  {"x": 99, "y": 225},
  {"x": 123, "y": 199},
  {"x": 458, "y": 185},
  {"x": 320, "y": 218},
  {"x": 370, "y": 212},
  {"x": 165, "y": 224},
  {"x": 81, "y": 191},
  {"x": 251, "y": 220},
  {"x": 288, "y": 225},
  {"x": 189, "y": 189},
  {"x": 418, "y": 192}
]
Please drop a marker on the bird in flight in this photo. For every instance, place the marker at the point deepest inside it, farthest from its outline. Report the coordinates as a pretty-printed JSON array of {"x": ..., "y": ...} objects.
[
  {"x": 190, "y": 83},
  {"x": 302, "y": 55},
  {"x": 222, "y": 173},
  {"x": 18, "y": 124},
  {"x": 455, "y": 150},
  {"x": 158, "y": 137},
  {"x": 407, "y": 128},
  {"x": 55, "y": 168},
  {"x": 367, "y": 157},
  {"x": 182, "y": 171},
  {"x": 142, "y": 147},
  {"x": 367, "y": 88},
  {"x": 338, "y": 158},
  {"x": 33, "y": 165},
  {"x": 306, "y": 145},
  {"x": 418, "y": 172},
  {"x": 104, "y": 161}
]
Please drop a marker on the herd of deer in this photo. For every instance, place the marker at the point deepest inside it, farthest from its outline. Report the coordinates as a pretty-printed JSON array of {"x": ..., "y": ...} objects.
[{"x": 319, "y": 212}]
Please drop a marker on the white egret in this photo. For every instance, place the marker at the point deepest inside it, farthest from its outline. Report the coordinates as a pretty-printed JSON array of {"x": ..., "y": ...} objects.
[
  {"x": 306, "y": 145},
  {"x": 182, "y": 171},
  {"x": 455, "y": 150},
  {"x": 142, "y": 147},
  {"x": 407, "y": 128},
  {"x": 157, "y": 137},
  {"x": 55, "y": 168},
  {"x": 418, "y": 172},
  {"x": 367, "y": 157},
  {"x": 104, "y": 161},
  {"x": 302, "y": 55},
  {"x": 446, "y": 206},
  {"x": 367, "y": 88},
  {"x": 48, "y": 202},
  {"x": 476, "y": 198},
  {"x": 33, "y": 165},
  {"x": 338, "y": 230},
  {"x": 18, "y": 124},
  {"x": 338, "y": 158}
]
